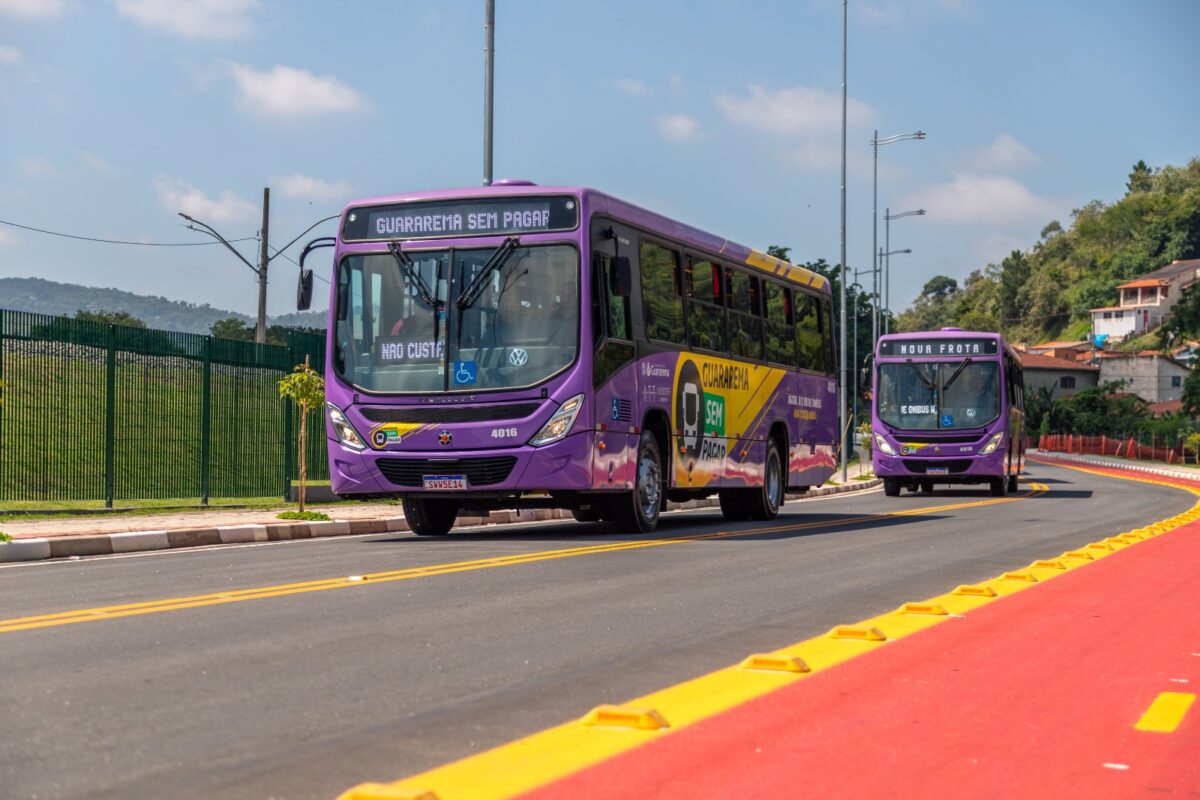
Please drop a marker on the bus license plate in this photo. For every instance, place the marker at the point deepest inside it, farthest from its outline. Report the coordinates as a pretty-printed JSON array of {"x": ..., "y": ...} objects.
[
  {"x": 442, "y": 483},
  {"x": 938, "y": 471}
]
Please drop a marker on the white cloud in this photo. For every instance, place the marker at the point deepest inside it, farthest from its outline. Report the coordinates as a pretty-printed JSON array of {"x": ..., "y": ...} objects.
[
  {"x": 287, "y": 92},
  {"x": 10, "y": 55},
  {"x": 95, "y": 162},
  {"x": 677, "y": 127},
  {"x": 208, "y": 19},
  {"x": 795, "y": 110},
  {"x": 7, "y": 239},
  {"x": 33, "y": 8},
  {"x": 984, "y": 199},
  {"x": 631, "y": 86},
  {"x": 303, "y": 187},
  {"x": 1004, "y": 153},
  {"x": 875, "y": 14},
  {"x": 36, "y": 167},
  {"x": 995, "y": 247},
  {"x": 176, "y": 195}
]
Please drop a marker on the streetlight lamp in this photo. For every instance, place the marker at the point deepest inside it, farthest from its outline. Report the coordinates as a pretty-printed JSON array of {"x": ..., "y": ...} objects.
[
  {"x": 260, "y": 330},
  {"x": 875, "y": 143},
  {"x": 887, "y": 219}
]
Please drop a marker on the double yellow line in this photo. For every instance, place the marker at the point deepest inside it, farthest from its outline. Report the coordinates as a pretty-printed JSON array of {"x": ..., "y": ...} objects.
[{"x": 358, "y": 581}]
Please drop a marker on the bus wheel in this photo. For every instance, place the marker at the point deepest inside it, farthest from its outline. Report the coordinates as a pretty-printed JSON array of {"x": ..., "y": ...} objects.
[
  {"x": 999, "y": 486},
  {"x": 764, "y": 503},
  {"x": 1012, "y": 483},
  {"x": 734, "y": 505},
  {"x": 637, "y": 511},
  {"x": 430, "y": 517},
  {"x": 891, "y": 487}
]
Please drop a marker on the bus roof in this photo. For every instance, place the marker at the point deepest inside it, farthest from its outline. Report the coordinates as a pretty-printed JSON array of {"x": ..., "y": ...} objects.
[{"x": 599, "y": 202}]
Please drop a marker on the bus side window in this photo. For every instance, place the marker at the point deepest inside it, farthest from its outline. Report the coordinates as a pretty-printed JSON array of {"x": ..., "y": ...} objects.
[
  {"x": 808, "y": 333},
  {"x": 781, "y": 338},
  {"x": 662, "y": 298},
  {"x": 827, "y": 335},
  {"x": 745, "y": 321},
  {"x": 705, "y": 312}
]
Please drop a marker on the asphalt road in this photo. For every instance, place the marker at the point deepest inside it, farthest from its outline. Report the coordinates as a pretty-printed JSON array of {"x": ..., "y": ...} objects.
[{"x": 304, "y": 691}]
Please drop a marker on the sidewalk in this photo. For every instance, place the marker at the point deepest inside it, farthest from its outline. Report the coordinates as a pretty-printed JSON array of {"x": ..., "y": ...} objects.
[{"x": 126, "y": 533}]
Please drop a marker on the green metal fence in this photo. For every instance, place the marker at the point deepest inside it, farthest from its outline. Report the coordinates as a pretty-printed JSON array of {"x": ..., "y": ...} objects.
[{"x": 107, "y": 412}]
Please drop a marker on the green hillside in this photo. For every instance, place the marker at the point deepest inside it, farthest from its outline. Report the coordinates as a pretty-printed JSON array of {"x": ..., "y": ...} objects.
[
  {"x": 49, "y": 297},
  {"x": 1045, "y": 291}
]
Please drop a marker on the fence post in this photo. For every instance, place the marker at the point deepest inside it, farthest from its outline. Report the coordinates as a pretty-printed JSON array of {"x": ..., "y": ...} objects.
[
  {"x": 206, "y": 422},
  {"x": 110, "y": 417},
  {"x": 287, "y": 436}
]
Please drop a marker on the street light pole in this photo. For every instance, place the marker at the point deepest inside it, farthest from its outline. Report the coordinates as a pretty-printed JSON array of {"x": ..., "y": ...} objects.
[
  {"x": 489, "y": 58},
  {"x": 887, "y": 218},
  {"x": 842, "y": 352},
  {"x": 875, "y": 142}
]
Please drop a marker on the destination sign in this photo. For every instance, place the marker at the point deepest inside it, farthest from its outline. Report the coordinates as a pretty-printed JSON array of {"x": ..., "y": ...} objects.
[
  {"x": 477, "y": 217},
  {"x": 932, "y": 348}
]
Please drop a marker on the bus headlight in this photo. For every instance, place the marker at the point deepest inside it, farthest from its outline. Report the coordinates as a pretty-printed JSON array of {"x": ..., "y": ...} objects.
[
  {"x": 560, "y": 424},
  {"x": 991, "y": 446},
  {"x": 883, "y": 445},
  {"x": 343, "y": 429}
]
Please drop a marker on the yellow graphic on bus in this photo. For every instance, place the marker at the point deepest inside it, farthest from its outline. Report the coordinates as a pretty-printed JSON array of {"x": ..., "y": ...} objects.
[
  {"x": 718, "y": 403},
  {"x": 393, "y": 433}
]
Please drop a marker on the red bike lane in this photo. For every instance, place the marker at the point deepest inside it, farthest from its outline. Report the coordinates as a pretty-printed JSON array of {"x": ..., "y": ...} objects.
[{"x": 1036, "y": 695}]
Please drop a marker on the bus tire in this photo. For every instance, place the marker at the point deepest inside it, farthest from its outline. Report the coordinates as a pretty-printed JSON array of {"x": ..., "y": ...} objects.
[
  {"x": 891, "y": 487},
  {"x": 638, "y": 511},
  {"x": 430, "y": 517},
  {"x": 1012, "y": 483},
  {"x": 999, "y": 486},
  {"x": 763, "y": 503},
  {"x": 735, "y": 506}
]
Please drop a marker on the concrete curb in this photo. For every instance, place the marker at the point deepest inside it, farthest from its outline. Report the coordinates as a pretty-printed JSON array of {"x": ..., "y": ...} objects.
[
  {"x": 140, "y": 541},
  {"x": 1116, "y": 463}
]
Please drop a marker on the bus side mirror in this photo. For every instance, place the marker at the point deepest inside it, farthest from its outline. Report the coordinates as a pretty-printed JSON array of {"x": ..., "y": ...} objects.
[
  {"x": 304, "y": 290},
  {"x": 620, "y": 277},
  {"x": 864, "y": 376}
]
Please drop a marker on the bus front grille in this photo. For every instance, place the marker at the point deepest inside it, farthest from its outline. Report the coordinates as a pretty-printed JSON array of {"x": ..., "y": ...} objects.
[
  {"x": 920, "y": 466},
  {"x": 480, "y": 471},
  {"x": 449, "y": 413}
]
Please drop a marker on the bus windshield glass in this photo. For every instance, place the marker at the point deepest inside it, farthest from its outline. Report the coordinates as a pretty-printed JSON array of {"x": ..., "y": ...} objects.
[
  {"x": 939, "y": 396},
  {"x": 401, "y": 328}
]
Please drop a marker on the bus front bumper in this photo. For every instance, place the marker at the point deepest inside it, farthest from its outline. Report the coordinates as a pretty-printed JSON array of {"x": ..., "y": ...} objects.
[{"x": 963, "y": 469}]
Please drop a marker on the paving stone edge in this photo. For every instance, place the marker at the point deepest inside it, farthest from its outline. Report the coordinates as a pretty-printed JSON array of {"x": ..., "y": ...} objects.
[{"x": 139, "y": 541}]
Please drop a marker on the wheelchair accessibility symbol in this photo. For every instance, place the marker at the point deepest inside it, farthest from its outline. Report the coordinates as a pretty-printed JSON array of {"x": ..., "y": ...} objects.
[{"x": 465, "y": 372}]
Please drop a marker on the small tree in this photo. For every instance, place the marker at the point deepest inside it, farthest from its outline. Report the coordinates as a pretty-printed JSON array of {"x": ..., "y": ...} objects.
[
  {"x": 866, "y": 444},
  {"x": 306, "y": 388},
  {"x": 1192, "y": 442}
]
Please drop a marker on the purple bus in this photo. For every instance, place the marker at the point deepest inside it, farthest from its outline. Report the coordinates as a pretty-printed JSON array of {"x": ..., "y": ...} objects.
[
  {"x": 949, "y": 408},
  {"x": 519, "y": 346}
]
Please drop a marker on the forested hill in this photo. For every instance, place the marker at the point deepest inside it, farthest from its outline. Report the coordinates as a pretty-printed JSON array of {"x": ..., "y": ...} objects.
[
  {"x": 49, "y": 297},
  {"x": 1045, "y": 291}
]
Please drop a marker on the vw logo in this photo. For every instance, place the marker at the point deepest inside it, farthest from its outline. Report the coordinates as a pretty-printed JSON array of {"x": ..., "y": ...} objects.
[{"x": 518, "y": 357}]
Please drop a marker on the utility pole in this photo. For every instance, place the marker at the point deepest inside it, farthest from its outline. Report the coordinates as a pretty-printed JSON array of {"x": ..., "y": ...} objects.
[
  {"x": 264, "y": 260},
  {"x": 845, "y": 376},
  {"x": 489, "y": 58}
]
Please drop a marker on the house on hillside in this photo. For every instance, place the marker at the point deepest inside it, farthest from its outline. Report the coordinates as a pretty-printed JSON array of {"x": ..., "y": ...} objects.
[
  {"x": 1068, "y": 351},
  {"x": 1151, "y": 375},
  {"x": 1145, "y": 302},
  {"x": 1062, "y": 376}
]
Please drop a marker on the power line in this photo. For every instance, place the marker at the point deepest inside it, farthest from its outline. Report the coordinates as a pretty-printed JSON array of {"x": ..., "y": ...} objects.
[{"x": 120, "y": 241}]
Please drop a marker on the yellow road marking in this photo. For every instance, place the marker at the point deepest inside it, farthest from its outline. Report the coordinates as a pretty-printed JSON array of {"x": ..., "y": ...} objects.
[
  {"x": 1166, "y": 712},
  {"x": 541, "y": 758},
  {"x": 264, "y": 592}
]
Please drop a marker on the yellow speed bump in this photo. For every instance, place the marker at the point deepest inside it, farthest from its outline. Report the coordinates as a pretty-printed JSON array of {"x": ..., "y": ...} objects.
[
  {"x": 384, "y": 791},
  {"x": 1078, "y": 554},
  {"x": 1023, "y": 577},
  {"x": 975, "y": 590},
  {"x": 858, "y": 633},
  {"x": 772, "y": 663},
  {"x": 642, "y": 719},
  {"x": 1048, "y": 565},
  {"x": 929, "y": 609}
]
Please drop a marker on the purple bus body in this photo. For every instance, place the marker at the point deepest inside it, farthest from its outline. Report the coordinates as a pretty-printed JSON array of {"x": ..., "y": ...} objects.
[
  {"x": 923, "y": 456},
  {"x": 600, "y": 452}
]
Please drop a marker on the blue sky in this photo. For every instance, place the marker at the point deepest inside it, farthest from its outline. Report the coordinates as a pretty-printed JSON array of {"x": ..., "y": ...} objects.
[{"x": 725, "y": 115}]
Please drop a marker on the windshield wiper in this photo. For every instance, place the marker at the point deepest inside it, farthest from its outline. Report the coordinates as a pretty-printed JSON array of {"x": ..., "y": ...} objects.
[
  {"x": 414, "y": 277},
  {"x": 957, "y": 372},
  {"x": 472, "y": 292},
  {"x": 921, "y": 375}
]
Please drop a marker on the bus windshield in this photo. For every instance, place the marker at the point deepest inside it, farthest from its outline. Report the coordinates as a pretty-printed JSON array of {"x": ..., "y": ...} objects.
[
  {"x": 939, "y": 396},
  {"x": 401, "y": 328}
]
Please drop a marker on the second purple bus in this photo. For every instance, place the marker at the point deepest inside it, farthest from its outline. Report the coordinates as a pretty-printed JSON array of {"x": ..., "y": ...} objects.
[
  {"x": 948, "y": 409},
  {"x": 518, "y": 346}
]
